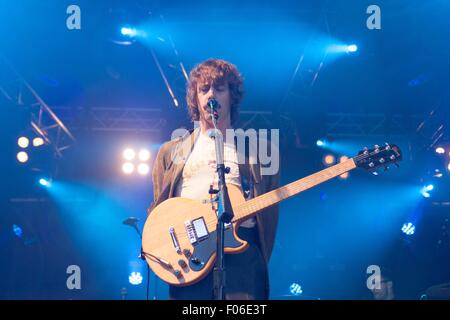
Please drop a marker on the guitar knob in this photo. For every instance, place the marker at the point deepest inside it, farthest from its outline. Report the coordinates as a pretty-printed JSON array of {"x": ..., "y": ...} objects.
[
  {"x": 187, "y": 253},
  {"x": 182, "y": 263}
]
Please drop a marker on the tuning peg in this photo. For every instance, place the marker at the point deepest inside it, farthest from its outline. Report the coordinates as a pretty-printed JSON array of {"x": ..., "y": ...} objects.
[
  {"x": 381, "y": 160},
  {"x": 366, "y": 151},
  {"x": 377, "y": 148},
  {"x": 371, "y": 164},
  {"x": 392, "y": 157},
  {"x": 388, "y": 147}
]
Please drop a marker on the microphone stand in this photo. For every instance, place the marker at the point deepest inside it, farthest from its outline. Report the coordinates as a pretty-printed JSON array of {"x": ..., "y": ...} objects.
[
  {"x": 224, "y": 210},
  {"x": 132, "y": 222}
]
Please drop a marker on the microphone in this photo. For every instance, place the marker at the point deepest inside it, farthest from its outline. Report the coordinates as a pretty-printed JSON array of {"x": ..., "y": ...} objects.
[
  {"x": 213, "y": 105},
  {"x": 131, "y": 221}
]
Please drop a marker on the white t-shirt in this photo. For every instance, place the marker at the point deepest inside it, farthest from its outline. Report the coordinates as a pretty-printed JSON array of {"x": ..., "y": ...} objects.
[{"x": 199, "y": 171}]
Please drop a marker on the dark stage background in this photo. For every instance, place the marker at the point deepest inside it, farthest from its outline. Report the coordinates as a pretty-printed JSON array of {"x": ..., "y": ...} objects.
[{"x": 110, "y": 91}]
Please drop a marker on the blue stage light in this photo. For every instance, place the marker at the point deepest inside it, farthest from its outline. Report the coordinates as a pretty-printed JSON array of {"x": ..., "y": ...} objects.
[
  {"x": 320, "y": 143},
  {"x": 352, "y": 48},
  {"x": 426, "y": 194},
  {"x": 17, "y": 231},
  {"x": 295, "y": 289},
  {"x": 408, "y": 228},
  {"x": 127, "y": 31},
  {"x": 135, "y": 278},
  {"x": 425, "y": 191},
  {"x": 45, "y": 182}
]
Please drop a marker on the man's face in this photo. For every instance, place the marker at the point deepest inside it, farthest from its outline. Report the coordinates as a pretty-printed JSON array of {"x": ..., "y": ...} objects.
[{"x": 219, "y": 91}]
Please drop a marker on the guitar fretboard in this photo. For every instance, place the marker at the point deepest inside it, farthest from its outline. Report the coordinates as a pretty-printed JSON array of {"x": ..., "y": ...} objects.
[{"x": 252, "y": 206}]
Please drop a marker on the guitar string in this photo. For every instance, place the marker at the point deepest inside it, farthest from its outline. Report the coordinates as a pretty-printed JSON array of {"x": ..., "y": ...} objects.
[{"x": 251, "y": 207}]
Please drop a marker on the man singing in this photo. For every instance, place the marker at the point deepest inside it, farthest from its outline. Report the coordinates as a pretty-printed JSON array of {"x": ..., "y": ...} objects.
[{"x": 192, "y": 175}]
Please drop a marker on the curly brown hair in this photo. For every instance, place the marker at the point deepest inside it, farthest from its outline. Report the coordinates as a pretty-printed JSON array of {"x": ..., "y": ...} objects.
[{"x": 215, "y": 71}]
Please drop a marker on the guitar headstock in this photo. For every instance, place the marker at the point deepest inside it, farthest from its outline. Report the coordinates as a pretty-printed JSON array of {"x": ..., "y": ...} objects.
[{"x": 372, "y": 159}]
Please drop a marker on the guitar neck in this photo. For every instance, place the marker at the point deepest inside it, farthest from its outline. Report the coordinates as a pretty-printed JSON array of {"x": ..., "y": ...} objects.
[{"x": 252, "y": 206}]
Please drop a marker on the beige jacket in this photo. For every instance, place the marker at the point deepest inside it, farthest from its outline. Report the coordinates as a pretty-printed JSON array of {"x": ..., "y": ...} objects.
[{"x": 167, "y": 172}]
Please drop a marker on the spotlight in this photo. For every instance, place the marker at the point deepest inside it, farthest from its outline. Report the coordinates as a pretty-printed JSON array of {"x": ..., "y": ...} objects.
[
  {"x": 295, "y": 289},
  {"x": 343, "y": 158},
  {"x": 448, "y": 166},
  {"x": 129, "y": 154},
  {"x": 144, "y": 155},
  {"x": 425, "y": 190},
  {"x": 408, "y": 228},
  {"x": 22, "y": 156},
  {"x": 352, "y": 48},
  {"x": 128, "y": 168},
  {"x": 127, "y": 31},
  {"x": 329, "y": 159},
  {"x": 143, "y": 169},
  {"x": 135, "y": 278},
  {"x": 320, "y": 143},
  {"x": 425, "y": 194},
  {"x": 344, "y": 176},
  {"x": 437, "y": 173},
  {"x": 440, "y": 150},
  {"x": 38, "y": 141},
  {"x": 45, "y": 182},
  {"x": 23, "y": 142},
  {"x": 17, "y": 230}
]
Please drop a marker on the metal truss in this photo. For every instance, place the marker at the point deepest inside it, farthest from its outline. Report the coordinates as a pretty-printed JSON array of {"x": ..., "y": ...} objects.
[
  {"x": 370, "y": 125},
  {"x": 44, "y": 121},
  {"x": 434, "y": 126},
  {"x": 269, "y": 120},
  {"x": 113, "y": 119}
]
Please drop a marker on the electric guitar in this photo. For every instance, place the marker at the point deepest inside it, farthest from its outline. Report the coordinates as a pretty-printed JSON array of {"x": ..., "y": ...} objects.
[{"x": 179, "y": 236}]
